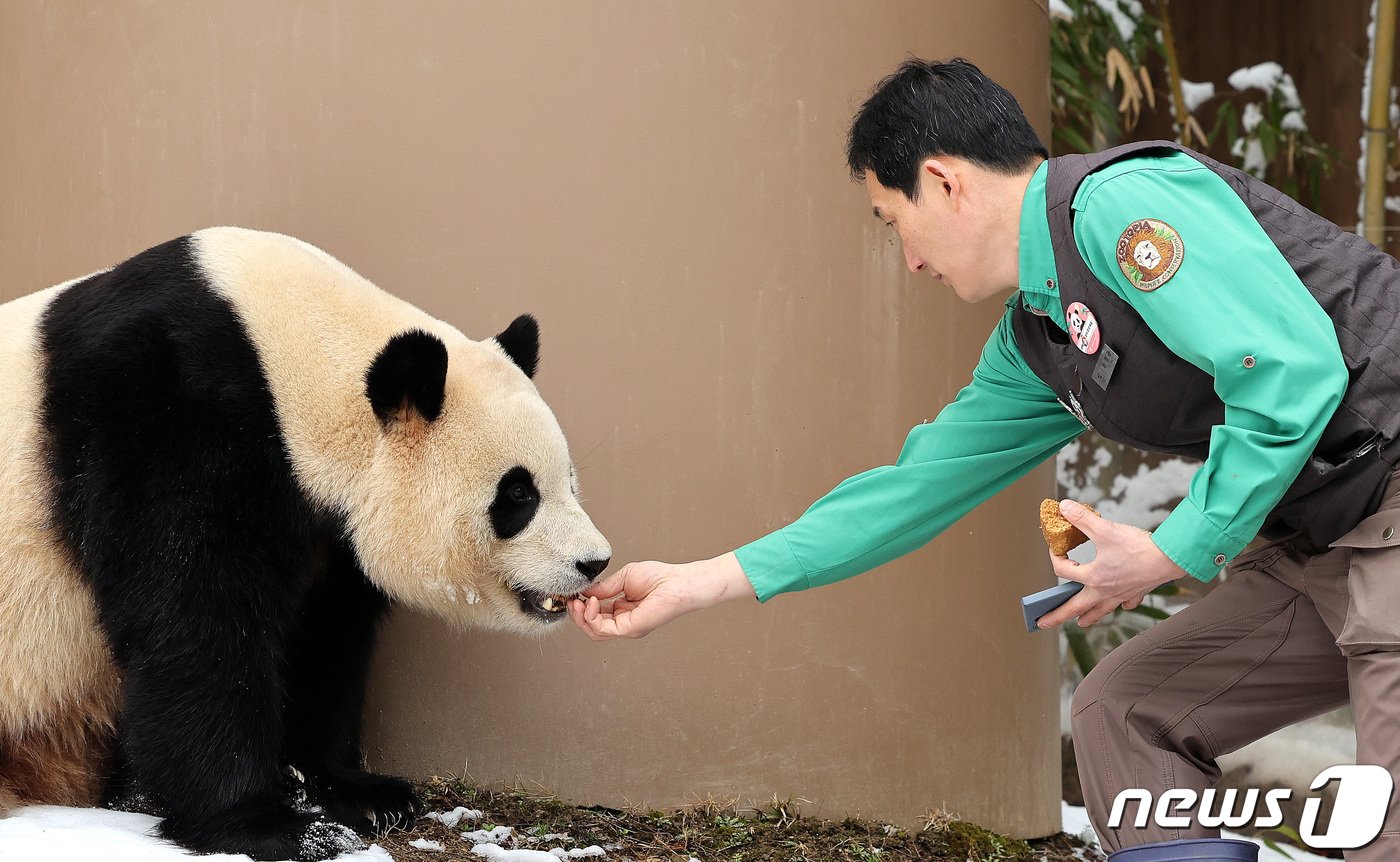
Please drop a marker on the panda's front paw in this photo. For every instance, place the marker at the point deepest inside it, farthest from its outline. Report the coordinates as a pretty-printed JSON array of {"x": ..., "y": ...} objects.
[
  {"x": 260, "y": 828},
  {"x": 365, "y": 801}
]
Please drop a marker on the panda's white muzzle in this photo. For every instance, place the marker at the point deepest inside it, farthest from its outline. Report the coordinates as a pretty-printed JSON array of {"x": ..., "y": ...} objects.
[{"x": 551, "y": 607}]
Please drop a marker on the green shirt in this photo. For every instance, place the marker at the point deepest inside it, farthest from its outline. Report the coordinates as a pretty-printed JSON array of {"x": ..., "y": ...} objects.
[{"x": 1234, "y": 296}]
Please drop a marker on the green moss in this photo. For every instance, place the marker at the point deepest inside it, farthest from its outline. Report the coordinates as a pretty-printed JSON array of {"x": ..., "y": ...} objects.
[{"x": 972, "y": 842}]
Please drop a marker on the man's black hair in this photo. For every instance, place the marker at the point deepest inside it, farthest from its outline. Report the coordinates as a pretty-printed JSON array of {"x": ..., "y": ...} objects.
[{"x": 927, "y": 110}]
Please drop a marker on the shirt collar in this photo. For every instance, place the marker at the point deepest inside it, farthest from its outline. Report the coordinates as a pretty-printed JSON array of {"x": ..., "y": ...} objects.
[{"x": 1037, "y": 256}]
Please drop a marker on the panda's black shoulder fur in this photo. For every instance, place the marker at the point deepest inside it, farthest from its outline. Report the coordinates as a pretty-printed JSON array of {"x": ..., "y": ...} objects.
[{"x": 235, "y": 610}]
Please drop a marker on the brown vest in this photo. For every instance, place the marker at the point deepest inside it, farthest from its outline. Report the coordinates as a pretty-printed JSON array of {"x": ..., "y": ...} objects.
[{"x": 1157, "y": 401}]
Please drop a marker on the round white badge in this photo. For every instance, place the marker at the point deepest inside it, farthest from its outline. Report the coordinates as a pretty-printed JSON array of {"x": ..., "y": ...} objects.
[{"x": 1083, "y": 327}]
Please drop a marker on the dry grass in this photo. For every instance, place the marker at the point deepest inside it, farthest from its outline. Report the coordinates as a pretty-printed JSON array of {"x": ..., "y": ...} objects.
[{"x": 710, "y": 830}]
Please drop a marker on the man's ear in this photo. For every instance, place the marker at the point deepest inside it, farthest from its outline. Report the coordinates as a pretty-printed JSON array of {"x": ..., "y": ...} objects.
[
  {"x": 407, "y": 378},
  {"x": 940, "y": 178},
  {"x": 521, "y": 342}
]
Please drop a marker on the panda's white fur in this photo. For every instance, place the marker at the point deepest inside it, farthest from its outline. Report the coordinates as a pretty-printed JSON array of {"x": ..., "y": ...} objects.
[
  {"x": 58, "y": 687},
  {"x": 413, "y": 495}
]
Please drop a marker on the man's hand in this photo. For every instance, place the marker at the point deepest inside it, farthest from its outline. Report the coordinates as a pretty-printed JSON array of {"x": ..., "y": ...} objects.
[
  {"x": 646, "y": 596},
  {"x": 1127, "y": 566}
]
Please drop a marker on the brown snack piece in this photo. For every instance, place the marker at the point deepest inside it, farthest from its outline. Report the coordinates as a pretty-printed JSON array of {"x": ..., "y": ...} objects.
[{"x": 1060, "y": 535}]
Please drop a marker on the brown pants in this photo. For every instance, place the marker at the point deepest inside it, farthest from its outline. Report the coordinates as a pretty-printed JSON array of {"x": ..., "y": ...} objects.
[{"x": 1287, "y": 636}]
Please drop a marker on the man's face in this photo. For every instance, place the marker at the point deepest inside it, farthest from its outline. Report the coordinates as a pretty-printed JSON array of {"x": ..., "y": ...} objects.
[{"x": 939, "y": 233}]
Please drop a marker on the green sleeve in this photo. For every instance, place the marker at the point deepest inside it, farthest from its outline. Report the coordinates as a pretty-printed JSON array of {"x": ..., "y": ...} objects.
[
  {"x": 1000, "y": 426},
  {"x": 1234, "y": 296}
]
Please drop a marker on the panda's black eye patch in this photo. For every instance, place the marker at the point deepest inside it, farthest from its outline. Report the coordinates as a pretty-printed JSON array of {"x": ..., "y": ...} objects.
[{"x": 517, "y": 500}]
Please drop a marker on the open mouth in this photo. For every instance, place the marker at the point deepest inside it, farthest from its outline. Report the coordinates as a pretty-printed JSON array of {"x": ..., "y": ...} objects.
[{"x": 542, "y": 606}]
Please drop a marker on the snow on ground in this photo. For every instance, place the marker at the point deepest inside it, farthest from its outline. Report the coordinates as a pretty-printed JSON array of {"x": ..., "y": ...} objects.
[
  {"x": 496, "y": 853},
  {"x": 1075, "y": 821},
  {"x": 450, "y": 819},
  {"x": 56, "y": 834}
]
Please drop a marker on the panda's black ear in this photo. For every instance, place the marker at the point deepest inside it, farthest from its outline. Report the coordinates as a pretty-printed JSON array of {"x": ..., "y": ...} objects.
[
  {"x": 407, "y": 377},
  {"x": 521, "y": 342}
]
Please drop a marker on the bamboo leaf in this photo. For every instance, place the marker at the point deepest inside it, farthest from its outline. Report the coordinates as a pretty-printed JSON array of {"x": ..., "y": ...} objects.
[
  {"x": 1079, "y": 648},
  {"x": 1074, "y": 139},
  {"x": 1147, "y": 87}
]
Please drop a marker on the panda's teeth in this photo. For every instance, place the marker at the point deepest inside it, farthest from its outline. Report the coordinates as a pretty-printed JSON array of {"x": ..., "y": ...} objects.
[{"x": 548, "y": 603}]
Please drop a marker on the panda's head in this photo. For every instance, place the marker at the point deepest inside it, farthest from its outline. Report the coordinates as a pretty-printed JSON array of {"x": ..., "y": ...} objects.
[{"x": 472, "y": 506}]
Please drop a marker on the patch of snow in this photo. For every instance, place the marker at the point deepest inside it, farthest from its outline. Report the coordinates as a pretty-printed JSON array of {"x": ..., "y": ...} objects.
[
  {"x": 549, "y": 836},
  {"x": 1144, "y": 499},
  {"x": 497, "y": 853},
  {"x": 1293, "y": 122},
  {"x": 425, "y": 844},
  {"x": 1289, "y": 91},
  {"x": 1059, "y": 9},
  {"x": 1196, "y": 94},
  {"x": 492, "y": 836},
  {"x": 592, "y": 850},
  {"x": 1075, "y": 821},
  {"x": 1392, "y": 203},
  {"x": 1254, "y": 161},
  {"x": 1265, "y": 76},
  {"x": 61, "y": 834},
  {"x": 1252, "y": 117},
  {"x": 1294, "y": 755},
  {"x": 450, "y": 819},
  {"x": 1124, "y": 21}
]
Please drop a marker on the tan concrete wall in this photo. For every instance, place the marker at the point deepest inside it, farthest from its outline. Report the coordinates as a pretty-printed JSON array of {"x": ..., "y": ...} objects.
[{"x": 727, "y": 334}]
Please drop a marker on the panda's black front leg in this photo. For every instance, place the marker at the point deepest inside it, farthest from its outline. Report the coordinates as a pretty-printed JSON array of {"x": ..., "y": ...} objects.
[
  {"x": 201, "y": 728},
  {"x": 329, "y": 661}
]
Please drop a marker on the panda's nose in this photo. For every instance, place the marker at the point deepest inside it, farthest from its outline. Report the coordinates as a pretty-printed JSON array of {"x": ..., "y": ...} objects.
[{"x": 592, "y": 568}]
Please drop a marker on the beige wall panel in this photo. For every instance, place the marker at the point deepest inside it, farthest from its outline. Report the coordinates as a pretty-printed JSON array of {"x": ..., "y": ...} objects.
[{"x": 727, "y": 334}]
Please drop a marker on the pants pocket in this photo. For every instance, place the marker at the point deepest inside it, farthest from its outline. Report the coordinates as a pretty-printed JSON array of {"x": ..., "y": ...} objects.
[{"x": 1372, "y": 551}]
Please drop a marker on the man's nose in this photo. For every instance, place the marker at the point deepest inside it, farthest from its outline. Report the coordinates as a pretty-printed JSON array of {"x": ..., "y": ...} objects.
[{"x": 914, "y": 263}]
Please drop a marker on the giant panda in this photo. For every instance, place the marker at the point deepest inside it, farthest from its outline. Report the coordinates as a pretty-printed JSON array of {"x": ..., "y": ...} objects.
[{"x": 219, "y": 461}]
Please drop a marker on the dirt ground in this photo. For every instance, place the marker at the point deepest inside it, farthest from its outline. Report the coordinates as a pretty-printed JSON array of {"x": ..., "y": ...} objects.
[{"x": 707, "y": 832}]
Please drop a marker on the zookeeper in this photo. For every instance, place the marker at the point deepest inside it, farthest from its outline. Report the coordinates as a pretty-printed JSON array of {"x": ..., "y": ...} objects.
[{"x": 1174, "y": 304}]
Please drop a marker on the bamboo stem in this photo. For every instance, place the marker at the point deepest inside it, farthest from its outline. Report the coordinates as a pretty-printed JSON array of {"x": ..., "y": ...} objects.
[
  {"x": 1378, "y": 121},
  {"x": 1183, "y": 130}
]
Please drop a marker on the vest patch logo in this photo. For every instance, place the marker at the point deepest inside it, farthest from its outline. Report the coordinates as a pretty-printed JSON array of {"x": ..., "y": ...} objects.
[
  {"x": 1083, "y": 327},
  {"x": 1149, "y": 253}
]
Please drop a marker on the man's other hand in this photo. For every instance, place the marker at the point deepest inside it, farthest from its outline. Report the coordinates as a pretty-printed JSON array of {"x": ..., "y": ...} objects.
[{"x": 1127, "y": 565}]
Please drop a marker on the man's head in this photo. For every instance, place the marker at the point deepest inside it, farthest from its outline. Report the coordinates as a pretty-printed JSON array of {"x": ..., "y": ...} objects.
[{"x": 945, "y": 152}]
